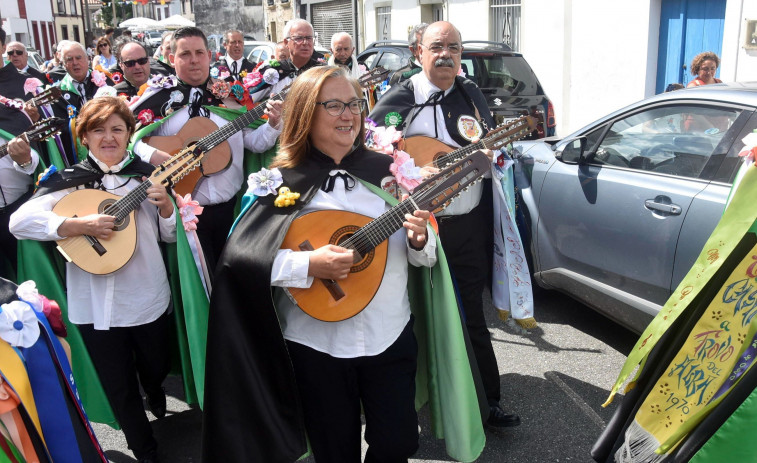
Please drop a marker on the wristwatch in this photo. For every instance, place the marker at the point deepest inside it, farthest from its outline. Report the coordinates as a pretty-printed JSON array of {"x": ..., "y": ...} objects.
[{"x": 26, "y": 164}]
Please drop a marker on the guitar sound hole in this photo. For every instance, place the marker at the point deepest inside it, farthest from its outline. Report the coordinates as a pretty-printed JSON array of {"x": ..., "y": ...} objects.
[
  {"x": 119, "y": 224},
  {"x": 343, "y": 234}
]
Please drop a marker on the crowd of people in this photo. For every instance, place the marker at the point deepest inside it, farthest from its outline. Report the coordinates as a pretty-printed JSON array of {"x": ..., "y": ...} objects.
[{"x": 272, "y": 380}]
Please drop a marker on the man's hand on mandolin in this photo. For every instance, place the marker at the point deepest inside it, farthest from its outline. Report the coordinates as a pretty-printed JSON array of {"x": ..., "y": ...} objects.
[{"x": 330, "y": 262}]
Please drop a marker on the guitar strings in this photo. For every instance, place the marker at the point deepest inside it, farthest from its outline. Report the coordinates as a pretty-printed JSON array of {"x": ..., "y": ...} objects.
[
  {"x": 219, "y": 136},
  {"x": 379, "y": 229}
]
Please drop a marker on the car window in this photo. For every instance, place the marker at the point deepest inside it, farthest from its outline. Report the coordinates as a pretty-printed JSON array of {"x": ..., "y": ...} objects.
[
  {"x": 390, "y": 61},
  {"x": 675, "y": 140},
  {"x": 368, "y": 59},
  {"x": 509, "y": 73}
]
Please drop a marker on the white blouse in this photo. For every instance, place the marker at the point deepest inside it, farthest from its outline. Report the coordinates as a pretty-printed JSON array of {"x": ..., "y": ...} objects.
[
  {"x": 137, "y": 293},
  {"x": 374, "y": 329}
]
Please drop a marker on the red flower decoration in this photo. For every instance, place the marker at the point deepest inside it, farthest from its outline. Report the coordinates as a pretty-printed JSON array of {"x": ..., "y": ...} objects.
[
  {"x": 117, "y": 77},
  {"x": 146, "y": 116}
]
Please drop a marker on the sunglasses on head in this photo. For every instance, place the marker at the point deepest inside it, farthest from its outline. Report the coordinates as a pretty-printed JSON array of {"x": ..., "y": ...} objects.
[
  {"x": 132, "y": 62},
  {"x": 15, "y": 52}
]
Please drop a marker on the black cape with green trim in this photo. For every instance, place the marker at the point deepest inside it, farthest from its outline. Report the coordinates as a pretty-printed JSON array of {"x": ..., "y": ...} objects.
[
  {"x": 252, "y": 408},
  {"x": 249, "y": 381}
]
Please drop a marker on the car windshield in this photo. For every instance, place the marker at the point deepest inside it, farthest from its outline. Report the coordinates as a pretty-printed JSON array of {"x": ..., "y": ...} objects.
[{"x": 509, "y": 73}]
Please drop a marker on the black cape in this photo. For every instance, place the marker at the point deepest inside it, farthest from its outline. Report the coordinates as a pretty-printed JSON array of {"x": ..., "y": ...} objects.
[
  {"x": 401, "y": 99},
  {"x": 252, "y": 408},
  {"x": 221, "y": 64},
  {"x": 87, "y": 172}
]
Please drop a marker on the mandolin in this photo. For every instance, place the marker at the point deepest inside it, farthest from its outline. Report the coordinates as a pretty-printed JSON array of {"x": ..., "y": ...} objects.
[
  {"x": 39, "y": 131},
  {"x": 101, "y": 257},
  {"x": 332, "y": 301},
  {"x": 203, "y": 134},
  {"x": 428, "y": 151}
]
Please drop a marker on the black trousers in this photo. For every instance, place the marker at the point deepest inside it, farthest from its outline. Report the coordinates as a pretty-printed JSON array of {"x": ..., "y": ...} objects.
[
  {"x": 466, "y": 240},
  {"x": 333, "y": 389},
  {"x": 213, "y": 230},
  {"x": 119, "y": 355}
]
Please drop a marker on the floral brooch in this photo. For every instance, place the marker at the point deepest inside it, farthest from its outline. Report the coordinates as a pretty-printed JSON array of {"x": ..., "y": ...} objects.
[{"x": 286, "y": 197}]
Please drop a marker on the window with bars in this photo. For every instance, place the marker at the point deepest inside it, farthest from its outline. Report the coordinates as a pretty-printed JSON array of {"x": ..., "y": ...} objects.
[
  {"x": 505, "y": 22},
  {"x": 384, "y": 23}
]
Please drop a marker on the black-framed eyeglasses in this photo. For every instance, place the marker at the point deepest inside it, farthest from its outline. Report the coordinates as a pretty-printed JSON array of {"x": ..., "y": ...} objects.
[
  {"x": 130, "y": 63},
  {"x": 15, "y": 52},
  {"x": 300, "y": 39},
  {"x": 336, "y": 107},
  {"x": 436, "y": 48}
]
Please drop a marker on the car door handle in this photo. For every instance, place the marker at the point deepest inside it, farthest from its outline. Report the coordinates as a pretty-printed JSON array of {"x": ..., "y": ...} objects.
[{"x": 672, "y": 209}]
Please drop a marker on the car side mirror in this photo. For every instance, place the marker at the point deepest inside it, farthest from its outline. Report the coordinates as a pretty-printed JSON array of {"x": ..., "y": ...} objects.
[{"x": 571, "y": 151}]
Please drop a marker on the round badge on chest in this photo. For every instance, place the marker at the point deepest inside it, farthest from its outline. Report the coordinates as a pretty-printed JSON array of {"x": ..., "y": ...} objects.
[{"x": 468, "y": 127}]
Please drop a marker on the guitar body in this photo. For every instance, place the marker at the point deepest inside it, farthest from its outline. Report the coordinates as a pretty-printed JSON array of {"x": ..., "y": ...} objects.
[
  {"x": 424, "y": 150},
  {"x": 215, "y": 160},
  {"x": 322, "y": 301},
  {"x": 99, "y": 257}
]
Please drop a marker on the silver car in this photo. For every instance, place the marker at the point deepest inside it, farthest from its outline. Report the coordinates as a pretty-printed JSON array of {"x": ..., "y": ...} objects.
[{"x": 616, "y": 213}]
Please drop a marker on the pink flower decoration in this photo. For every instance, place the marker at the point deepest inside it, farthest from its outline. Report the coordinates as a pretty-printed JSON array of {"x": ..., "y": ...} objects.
[
  {"x": 403, "y": 168},
  {"x": 189, "y": 209},
  {"x": 223, "y": 74},
  {"x": 750, "y": 147},
  {"x": 99, "y": 78},
  {"x": 252, "y": 79},
  {"x": 31, "y": 84},
  {"x": 384, "y": 139}
]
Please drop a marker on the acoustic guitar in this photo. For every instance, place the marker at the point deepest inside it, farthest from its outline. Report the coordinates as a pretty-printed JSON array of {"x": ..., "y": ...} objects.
[
  {"x": 39, "y": 131},
  {"x": 427, "y": 151},
  {"x": 332, "y": 301},
  {"x": 101, "y": 257},
  {"x": 208, "y": 137}
]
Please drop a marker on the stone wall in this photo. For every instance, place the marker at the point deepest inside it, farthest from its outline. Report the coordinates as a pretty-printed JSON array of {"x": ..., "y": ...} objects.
[{"x": 218, "y": 16}]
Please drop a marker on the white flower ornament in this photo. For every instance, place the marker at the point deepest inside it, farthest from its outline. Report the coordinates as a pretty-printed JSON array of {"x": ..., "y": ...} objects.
[
  {"x": 18, "y": 324},
  {"x": 265, "y": 182}
]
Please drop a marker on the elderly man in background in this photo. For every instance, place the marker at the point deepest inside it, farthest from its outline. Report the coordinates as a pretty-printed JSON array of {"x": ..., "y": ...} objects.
[
  {"x": 413, "y": 67},
  {"x": 300, "y": 40},
  {"x": 234, "y": 61},
  {"x": 19, "y": 58},
  {"x": 281, "y": 52},
  {"x": 343, "y": 53}
]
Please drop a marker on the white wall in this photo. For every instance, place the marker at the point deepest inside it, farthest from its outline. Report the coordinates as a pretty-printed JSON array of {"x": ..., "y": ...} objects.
[
  {"x": 738, "y": 64},
  {"x": 592, "y": 56}
]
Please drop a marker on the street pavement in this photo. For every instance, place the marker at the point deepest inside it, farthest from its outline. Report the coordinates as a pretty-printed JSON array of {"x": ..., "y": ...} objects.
[{"x": 555, "y": 377}]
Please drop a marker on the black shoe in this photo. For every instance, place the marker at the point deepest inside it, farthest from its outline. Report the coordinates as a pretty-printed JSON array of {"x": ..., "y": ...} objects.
[
  {"x": 157, "y": 403},
  {"x": 499, "y": 419}
]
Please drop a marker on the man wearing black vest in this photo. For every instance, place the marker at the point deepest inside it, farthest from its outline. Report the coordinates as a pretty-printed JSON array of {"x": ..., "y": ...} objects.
[{"x": 438, "y": 103}]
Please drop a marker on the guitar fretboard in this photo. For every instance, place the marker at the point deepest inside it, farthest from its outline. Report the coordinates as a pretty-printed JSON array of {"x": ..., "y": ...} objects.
[
  {"x": 209, "y": 142},
  {"x": 121, "y": 208}
]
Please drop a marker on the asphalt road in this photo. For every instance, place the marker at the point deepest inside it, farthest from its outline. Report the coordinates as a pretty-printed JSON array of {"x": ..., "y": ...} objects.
[{"x": 556, "y": 377}]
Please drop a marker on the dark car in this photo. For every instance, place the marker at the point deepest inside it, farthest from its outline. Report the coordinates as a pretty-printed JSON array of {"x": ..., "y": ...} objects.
[
  {"x": 504, "y": 77},
  {"x": 615, "y": 214}
]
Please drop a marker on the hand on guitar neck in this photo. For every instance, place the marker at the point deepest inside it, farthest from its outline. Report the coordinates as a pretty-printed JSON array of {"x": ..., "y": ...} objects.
[
  {"x": 334, "y": 262},
  {"x": 31, "y": 110},
  {"x": 20, "y": 151}
]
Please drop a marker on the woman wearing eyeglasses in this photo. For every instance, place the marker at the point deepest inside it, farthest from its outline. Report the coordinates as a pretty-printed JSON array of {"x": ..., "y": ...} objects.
[
  {"x": 704, "y": 66},
  {"x": 105, "y": 56},
  {"x": 274, "y": 373}
]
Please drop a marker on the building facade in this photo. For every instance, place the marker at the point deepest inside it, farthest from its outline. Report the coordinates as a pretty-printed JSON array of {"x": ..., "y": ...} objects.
[
  {"x": 31, "y": 23},
  {"x": 592, "y": 56}
]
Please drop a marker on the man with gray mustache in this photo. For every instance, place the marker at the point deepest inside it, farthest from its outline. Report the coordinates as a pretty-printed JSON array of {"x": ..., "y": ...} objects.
[{"x": 440, "y": 104}]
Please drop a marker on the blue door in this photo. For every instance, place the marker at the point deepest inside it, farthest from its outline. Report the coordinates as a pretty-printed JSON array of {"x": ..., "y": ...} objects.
[{"x": 687, "y": 28}]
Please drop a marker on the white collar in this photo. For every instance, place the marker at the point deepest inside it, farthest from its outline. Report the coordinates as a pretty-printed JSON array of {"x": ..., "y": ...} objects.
[
  {"x": 110, "y": 169},
  {"x": 425, "y": 88}
]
